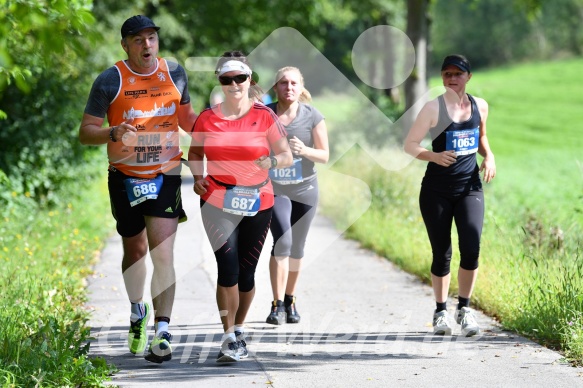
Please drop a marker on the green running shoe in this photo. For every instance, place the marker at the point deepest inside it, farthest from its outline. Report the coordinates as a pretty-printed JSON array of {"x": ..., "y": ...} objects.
[
  {"x": 137, "y": 337},
  {"x": 160, "y": 349}
]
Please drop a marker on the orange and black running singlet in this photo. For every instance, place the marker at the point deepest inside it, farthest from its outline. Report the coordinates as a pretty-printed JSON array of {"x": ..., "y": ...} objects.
[{"x": 152, "y": 101}]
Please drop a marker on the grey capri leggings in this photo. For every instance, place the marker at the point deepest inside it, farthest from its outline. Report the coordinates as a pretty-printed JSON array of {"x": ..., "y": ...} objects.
[{"x": 294, "y": 209}]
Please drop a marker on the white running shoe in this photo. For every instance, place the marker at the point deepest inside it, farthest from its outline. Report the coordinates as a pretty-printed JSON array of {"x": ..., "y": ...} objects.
[
  {"x": 229, "y": 351},
  {"x": 242, "y": 345},
  {"x": 465, "y": 317},
  {"x": 441, "y": 323}
]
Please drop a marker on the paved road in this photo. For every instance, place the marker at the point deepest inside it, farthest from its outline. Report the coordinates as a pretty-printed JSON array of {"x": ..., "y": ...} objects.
[{"x": 364, "y": 323}]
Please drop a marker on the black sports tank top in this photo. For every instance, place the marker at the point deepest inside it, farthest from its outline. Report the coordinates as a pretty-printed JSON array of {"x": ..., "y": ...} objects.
[{"x": 463, "y": 138}]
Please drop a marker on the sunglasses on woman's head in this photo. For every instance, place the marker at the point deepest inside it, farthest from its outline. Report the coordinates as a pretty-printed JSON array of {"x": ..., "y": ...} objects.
[{"x": 239, "y": 79}]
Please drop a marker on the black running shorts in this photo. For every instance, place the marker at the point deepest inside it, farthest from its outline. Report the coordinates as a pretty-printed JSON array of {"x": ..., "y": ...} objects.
[{"x": 130, "y": 220}]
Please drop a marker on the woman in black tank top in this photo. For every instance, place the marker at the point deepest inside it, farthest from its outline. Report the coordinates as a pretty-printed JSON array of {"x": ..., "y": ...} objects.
[{"x": 451, "y": 188}]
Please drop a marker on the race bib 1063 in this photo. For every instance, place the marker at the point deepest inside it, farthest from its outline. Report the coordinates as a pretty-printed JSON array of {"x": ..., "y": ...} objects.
[
  {"x": 463, "y": 142},
  {"x": 140, "y": 189},
  {"x": 288, "y": 175},
  {"x": 241, "y": 201}
]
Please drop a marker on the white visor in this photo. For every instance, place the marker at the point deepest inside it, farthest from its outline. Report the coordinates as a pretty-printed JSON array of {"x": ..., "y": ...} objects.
[{"x": 233, "y": 66}]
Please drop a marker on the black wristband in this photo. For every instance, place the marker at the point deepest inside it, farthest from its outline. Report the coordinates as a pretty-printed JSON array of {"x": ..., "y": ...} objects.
[
  {"x": 111, "y": 134},
  {"x": 273, "y": 161}
]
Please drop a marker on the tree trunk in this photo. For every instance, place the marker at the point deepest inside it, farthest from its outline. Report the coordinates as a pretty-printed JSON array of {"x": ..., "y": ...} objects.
[
  {"x": 388, "y": 47},
  {"x": 418, "y": 32}
]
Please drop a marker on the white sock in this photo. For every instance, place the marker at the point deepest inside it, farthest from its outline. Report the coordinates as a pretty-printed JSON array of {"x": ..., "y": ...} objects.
[
  {"x": 240, "y": 329},
  {"x": 161, "y": 327},
  {"x": 138, "y": 311},
  {"x": 227, "y": 336}
]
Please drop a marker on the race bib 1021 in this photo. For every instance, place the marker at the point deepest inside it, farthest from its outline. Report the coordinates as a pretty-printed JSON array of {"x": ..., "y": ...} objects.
[{"x": 288, "y": 175}]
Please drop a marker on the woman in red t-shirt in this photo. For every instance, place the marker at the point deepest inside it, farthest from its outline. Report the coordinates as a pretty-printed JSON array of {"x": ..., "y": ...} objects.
[{"x": 237, "y": 138}]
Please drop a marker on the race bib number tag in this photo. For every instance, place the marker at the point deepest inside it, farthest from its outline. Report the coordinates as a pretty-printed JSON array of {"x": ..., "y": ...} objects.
[
  {"x": 242, "y": 201},
  {"x": 463, "y": 142},
  {"x": 140, "y": 189},
  {"x": 289, "y": 175}
]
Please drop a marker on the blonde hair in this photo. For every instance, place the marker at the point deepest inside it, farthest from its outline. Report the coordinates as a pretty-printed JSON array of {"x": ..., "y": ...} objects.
[{"x": 305, "y": 95}]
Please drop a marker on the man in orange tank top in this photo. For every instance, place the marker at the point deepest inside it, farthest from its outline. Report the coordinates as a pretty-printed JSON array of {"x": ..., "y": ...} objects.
[{"x": 146, "y": 100}]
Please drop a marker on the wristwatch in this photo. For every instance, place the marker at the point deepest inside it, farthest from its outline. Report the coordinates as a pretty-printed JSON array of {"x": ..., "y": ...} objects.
[
  {"x": 111, "y": 134},
  {"x": 273, "y": 161}
]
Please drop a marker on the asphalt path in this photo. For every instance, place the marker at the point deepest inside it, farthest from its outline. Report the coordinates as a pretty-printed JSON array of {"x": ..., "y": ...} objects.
[{"x": 365, "y": 323}]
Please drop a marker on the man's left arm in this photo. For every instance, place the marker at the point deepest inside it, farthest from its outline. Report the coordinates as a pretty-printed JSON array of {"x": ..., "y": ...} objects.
[{"x": 186, "y": 117}]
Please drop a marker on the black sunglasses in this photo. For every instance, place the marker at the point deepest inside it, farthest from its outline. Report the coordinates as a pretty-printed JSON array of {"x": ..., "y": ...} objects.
[{"x": 239, "y": 79}]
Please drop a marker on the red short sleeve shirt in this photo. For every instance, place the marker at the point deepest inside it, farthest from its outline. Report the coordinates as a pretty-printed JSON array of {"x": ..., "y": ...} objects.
[{"x": 232, "y": 146}]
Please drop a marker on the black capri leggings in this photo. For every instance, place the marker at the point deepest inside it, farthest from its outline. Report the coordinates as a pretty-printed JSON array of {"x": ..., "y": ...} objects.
[
  {"x": 293, "y": 212},
  {"x": 237, "y": 242},
  {"x": 438, "y": 211}
]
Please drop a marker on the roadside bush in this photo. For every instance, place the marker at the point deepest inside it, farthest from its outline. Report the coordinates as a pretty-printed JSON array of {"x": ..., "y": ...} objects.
[{"x": 46, "y": 254}]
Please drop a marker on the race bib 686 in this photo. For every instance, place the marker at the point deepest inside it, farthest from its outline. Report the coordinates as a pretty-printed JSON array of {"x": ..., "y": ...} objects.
[{"x": 140, "y": 190}]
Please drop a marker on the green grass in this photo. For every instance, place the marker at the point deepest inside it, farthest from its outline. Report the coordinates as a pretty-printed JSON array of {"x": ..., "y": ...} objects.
[
  {"x": 530, "y": 273},
  {"x": 534, "y": 129},
  {"x": 336, "y": 108},
  {"x": 46, "y": 256}
]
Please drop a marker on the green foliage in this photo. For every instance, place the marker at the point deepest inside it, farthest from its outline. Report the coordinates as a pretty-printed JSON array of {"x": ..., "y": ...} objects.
[
  {"x": 508, "y": 31},
  {"x": 572, "y": 336},
  {"x": 45, "y": 55},
  {"x": 539, "y": 137},
  {"x": 559, "y": 22},
  {"x": 35, "y": 34},
  {"x": 208, "y": 33},
  {"x": 46, "y": 256},
  {"x": 332, "y": 26},
  {"x": 516, "y": 30},
  {"x": 366, "y": 127},
  {"x": 553, "y": 304},
  {"x": 340, "y": 37},
  {"x": 39, "y": 147}
]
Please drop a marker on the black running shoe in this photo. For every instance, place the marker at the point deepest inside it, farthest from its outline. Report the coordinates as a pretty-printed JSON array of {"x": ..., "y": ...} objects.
[
  {"x": 292, "y": 313},
  {"x": 277, "y": 314}
]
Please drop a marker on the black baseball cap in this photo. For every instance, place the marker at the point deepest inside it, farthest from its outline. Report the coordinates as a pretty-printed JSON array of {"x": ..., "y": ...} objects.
[
  {"x": 458, "y": 61},
  {"x": 136, "y": 24}
]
